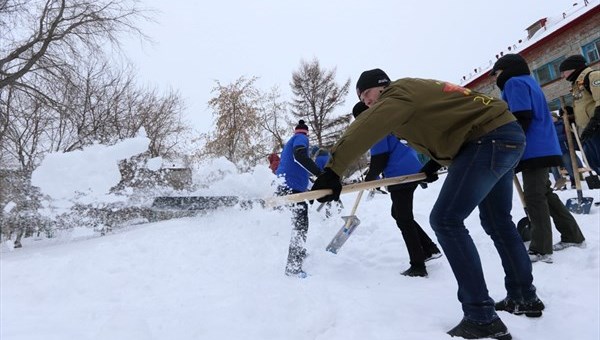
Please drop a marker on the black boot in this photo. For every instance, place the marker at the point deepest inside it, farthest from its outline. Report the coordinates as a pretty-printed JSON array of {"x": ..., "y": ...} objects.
[
  {"x": 532, "y": 308},
  {"x": 415, "y": 271},
  {"x": 472, "y": 330}
]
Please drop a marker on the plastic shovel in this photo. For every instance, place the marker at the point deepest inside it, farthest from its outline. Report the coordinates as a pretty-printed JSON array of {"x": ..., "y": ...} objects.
[{"x": 580, "y": 204}]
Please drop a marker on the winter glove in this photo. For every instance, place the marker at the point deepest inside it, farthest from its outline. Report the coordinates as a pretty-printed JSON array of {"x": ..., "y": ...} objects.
[
  {"x": 328, "y": 180},
  {"x": 430, "y": 169}
]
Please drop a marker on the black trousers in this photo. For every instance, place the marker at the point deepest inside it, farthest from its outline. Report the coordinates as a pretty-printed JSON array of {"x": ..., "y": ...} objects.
[
  {"x": 296, "y": 251},
  {"x": 418, "y": 243}
]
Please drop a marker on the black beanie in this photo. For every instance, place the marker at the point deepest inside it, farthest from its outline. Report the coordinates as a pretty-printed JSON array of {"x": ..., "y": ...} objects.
[
  {"x": 359, "y": 108},
  {"x": 512, "y": 65},
  {"x": 371, "y": 78},
  {"x": 573, "y": 62},
  {"x": 301, "y": 127}
]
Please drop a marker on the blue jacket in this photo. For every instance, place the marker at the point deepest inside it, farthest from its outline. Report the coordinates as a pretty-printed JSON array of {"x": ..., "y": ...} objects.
[
  {"x": 322, "y": 159},
  {"x": 402, "y": 159},
  {"x": 296, "y": 176},
  {"x": 522, "y": 93},
  {"x": 559, "y": 126}
]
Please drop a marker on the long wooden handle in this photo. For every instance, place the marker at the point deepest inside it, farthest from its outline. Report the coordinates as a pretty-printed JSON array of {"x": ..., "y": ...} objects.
[
  {"x": 587, "y": 165},
  {"x": 519, "y": 189},
  {"x": 313, "y": 195},
  {"x": 358, "y": 197},
  {"x": 572, "y": 152}
]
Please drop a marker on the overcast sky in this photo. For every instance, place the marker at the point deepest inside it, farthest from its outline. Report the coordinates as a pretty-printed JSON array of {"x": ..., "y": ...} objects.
[{"x": 196, "y": 43}]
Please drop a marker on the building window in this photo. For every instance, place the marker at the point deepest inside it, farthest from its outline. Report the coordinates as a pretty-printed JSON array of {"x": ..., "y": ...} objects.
[
  {"x": 548, "y": 72},
  {"x": 554, "y": 105},
  {"x": 591, "y": 51}
]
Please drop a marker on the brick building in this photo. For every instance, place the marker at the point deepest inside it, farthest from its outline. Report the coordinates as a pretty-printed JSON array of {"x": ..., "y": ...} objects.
[{"x": 548, "y": 43}]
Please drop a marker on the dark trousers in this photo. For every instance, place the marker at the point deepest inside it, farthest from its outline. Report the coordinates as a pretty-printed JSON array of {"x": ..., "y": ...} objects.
[
  {"x": 542, "y": 205},
  {"x": 296, "y": 252},
  {"x": 418, "y": 243}
]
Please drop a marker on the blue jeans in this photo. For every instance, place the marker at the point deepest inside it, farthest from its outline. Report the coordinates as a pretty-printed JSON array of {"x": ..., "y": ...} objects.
[
  {"x": 591, "y": 147},
  {"x": 481, "y": 175}
]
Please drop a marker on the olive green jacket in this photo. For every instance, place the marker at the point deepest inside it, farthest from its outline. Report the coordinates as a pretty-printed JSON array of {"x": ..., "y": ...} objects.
[
  {"x": 436, "y": 118},
  {"x": 584, "y": 101}
]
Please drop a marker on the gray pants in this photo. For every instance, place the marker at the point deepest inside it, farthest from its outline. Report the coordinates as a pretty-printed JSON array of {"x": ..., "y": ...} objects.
[{"x": 542, "y": 204}]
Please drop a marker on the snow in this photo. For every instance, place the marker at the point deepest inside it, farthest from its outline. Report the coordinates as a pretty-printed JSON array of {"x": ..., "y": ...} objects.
[{"x": 220, "y": 275}]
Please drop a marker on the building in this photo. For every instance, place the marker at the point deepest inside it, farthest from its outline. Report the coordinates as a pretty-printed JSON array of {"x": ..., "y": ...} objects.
[{"x": 549, "y": 41}]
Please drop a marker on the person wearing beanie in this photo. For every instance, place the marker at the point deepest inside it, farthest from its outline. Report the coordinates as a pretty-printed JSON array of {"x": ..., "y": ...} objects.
[
  {"x": 294, "y": 167},
  {"x": 392, "y": 158},
  {"x": 585, "y": 87},
  {"x": 527, "y": 102},
  {"x": 480, "y": 142},
  {"x": 372, "y": 79}
]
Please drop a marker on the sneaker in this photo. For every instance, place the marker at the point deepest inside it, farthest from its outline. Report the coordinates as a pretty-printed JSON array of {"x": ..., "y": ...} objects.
[
  {"x": 415, "y": 271},
  {"x": 531, "y": 308},
  {"x": 433, "y": 256},
  {"x": 563, "y": 245},
  {"x": 535, "y": 257},
  {"x": 472, "y": 330}
]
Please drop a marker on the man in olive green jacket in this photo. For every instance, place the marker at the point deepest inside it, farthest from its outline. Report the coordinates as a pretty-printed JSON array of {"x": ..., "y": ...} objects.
[{"x": 480, "y": 141}]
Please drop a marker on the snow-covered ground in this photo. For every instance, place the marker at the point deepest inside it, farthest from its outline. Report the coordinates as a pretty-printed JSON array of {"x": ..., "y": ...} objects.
[{"x": 220, "y": 276}]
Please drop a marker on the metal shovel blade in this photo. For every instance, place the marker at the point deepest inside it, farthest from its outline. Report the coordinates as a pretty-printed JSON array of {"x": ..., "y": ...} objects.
[
  {"x": 350, "y": 223},
  {"x": 580, "y": 205}
]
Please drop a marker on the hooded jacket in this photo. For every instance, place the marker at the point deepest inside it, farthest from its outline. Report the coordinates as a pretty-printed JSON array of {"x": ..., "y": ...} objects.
[{"x": 435, "y": 117}]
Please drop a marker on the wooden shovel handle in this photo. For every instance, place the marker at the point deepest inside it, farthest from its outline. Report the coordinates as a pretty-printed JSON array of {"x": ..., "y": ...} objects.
[
  {"x": 587, "y": 165},
  {"x": 572, "y": 151},
  {"x": 313, "y": 195}
]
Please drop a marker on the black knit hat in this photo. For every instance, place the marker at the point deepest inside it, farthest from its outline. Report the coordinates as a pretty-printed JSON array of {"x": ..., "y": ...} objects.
[
  {"x": 301, "y": 127},
  {"x": 573, "y": 62},
  {"x": 359, "y": 108},
  {"x": 371, "y": 78},
  {"x": 512, "y": 62}
]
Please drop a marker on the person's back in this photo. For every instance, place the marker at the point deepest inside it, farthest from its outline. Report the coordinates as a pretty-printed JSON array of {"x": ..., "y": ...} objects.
[
  {"x": 442, "y": 117},
  {"x": 522, "y": 93}
]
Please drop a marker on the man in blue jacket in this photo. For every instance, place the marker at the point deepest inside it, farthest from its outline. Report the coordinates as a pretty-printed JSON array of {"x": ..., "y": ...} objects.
[
  {"x": 295, "y": 166},
  {"x": 392, "y": 158},
  {"x": 527, "y": 102}
]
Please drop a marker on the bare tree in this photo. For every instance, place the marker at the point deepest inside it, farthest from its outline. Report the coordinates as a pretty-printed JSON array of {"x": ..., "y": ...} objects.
[
  {"x": 273, "y": 118},
  {"x": 316, "y": 95},
  {"x": 56, "y": 31},
  {"x": 236, "y": 116}
]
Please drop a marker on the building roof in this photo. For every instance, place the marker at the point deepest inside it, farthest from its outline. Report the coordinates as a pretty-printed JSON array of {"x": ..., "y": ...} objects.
[{"x": 546, "y": 28}]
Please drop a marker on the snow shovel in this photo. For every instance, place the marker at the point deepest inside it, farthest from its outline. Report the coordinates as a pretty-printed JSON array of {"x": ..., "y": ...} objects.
[
  {"x": 580, "y": 204},
  {"x": 592, "y": 179},
  {"x": 350, "y": 223},
  {"x": 524, "y": 225}
]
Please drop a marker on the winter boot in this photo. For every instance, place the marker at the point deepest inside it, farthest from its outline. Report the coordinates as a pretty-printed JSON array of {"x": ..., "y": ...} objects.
[
  {"x": 472, "y": 330},
  {"x": 531, "y": 308},
  {"x": 415, "y": 271}
]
